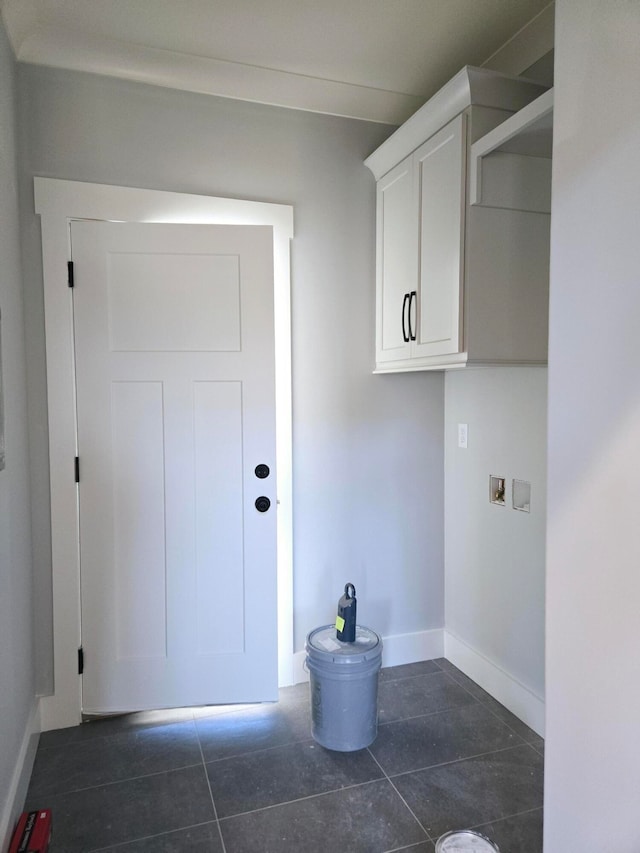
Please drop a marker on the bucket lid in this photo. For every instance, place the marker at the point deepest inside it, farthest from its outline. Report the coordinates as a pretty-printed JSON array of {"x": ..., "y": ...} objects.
[
  {"x": 465, "y": 840},
  {"x": 322, "y": 644}
]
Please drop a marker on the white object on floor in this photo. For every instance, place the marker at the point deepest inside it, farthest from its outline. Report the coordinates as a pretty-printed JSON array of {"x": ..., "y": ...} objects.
[{"x": 465, "y": 840}]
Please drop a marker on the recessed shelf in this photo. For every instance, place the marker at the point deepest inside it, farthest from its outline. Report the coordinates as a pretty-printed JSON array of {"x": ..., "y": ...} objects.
[{"x": 510, "y": 167}]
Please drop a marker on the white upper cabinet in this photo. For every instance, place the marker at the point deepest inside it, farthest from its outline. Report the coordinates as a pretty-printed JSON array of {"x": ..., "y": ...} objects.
[
  {"x": 456, "y": 284},
  {"x": 396, "y": 262},
  {"x": 439, "y": 171}
]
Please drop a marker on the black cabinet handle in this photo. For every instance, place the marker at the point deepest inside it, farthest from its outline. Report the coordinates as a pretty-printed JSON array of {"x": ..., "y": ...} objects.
[
  {"x": 405, "y": 336},
  {"x": 262, "y": 503},
  {"x": 412, "y": 295}
]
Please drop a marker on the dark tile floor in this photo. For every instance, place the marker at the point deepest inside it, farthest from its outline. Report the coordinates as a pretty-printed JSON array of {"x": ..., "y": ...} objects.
[{"x": 249, "y": 779}]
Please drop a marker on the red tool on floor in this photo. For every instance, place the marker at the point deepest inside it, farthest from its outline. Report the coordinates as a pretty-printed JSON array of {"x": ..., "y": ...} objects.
[{"x": 33, "y": 832}]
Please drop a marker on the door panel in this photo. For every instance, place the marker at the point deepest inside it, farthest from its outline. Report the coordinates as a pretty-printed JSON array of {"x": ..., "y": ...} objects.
[
  {"x": 188, "y": 315},
  {"x": 218, "y": 457},
  {"x": 397, "y": 273},
  {"x": 175, "y": 400},
  {"x": 441, "y": 179},
  {"x": 138, "y": 519}
]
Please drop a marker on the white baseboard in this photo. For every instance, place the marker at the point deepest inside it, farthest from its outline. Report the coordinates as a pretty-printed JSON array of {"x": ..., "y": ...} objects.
[
  {"x": 411, "y": 648},
  {"x": 21, "y": 775},
  {"x": 396, "y": 650},
  {"x": 520, "y": 700}
]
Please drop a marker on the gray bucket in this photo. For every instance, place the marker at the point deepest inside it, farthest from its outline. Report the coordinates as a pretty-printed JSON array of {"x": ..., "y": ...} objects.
[{"x": 344, "y": 688}]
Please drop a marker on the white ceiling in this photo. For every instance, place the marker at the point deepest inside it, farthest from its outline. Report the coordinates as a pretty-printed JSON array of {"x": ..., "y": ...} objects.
[{"x": 372, "y": 59}]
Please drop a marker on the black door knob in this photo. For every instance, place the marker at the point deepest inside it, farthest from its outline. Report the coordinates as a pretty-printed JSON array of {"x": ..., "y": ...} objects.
[
  {"x": 262, "y": 503},
  {"x": 262, "y": 471}
]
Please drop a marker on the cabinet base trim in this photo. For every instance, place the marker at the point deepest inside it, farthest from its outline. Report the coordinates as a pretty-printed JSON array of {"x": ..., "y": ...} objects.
[{"x": 442, "y": 365}]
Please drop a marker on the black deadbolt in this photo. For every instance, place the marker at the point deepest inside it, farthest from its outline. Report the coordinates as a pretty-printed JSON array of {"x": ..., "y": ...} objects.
[
  {"x": 262, "y": 471},
  {"x": 262, "y": 503}
]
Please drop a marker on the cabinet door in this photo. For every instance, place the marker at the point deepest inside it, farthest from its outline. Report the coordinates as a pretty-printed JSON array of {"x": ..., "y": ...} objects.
[
  {"x": 396, "y": 261},
  {"x": 440, "y": 176}
]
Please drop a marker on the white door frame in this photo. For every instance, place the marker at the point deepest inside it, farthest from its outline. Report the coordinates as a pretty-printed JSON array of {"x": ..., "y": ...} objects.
[{"x": 58, "y": 202}]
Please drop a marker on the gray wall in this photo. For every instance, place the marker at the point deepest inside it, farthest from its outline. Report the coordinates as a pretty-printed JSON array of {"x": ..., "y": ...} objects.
[
  {"x": 16, "y": 649},
  {"x": 368, "y": 451},
  {"x": 495, "y": 556},
  {"x": 592, "y": 758}
]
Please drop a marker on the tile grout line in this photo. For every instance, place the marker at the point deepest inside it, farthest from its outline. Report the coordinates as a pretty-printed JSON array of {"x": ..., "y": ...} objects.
[
  {"x": 257, "y": 751},
  {"x": 450, "y": 708},
  {"x": 456, "y": 706},
  {"x": 389, "y": 680},
  {"x": 507, "y": 817},
  {"x": 459, "y": 760},
  {"x": 89, "y": 739},
  {"x": 521, "y": 742},
  {"x": 115, "y": 781},
  {"x": 389, "y": 780},
  {"x": 385, "y": 776},
  {"x": 143, "y": 727},
  {"x": 147, "y": 837},
  {"x": 213, "y": 802},
  {"x": 482, "y": 702},
  {"x": 409, "y": 847},
  {"x": 478, "y": 701},
  {"x": 444, "y": 764},
  {"x": 302, "y": 799}
]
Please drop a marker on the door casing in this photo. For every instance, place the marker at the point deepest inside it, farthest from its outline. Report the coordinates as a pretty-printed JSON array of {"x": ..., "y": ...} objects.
[{"x": 58, "y": 202}]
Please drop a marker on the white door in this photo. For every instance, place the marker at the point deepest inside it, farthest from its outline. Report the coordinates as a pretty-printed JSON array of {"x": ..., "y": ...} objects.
[{"x": 174, "y": 352}]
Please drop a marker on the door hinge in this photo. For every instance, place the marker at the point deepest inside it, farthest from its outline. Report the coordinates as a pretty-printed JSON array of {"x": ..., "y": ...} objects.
[
  {"x": 80, "y": 660},
  {"x": 70, "y": 280},
  {"x": 77, "y": 469}
]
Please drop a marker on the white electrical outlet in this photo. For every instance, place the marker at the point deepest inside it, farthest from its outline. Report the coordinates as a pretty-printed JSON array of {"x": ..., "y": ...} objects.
[{"x": 463, "y": 433}]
